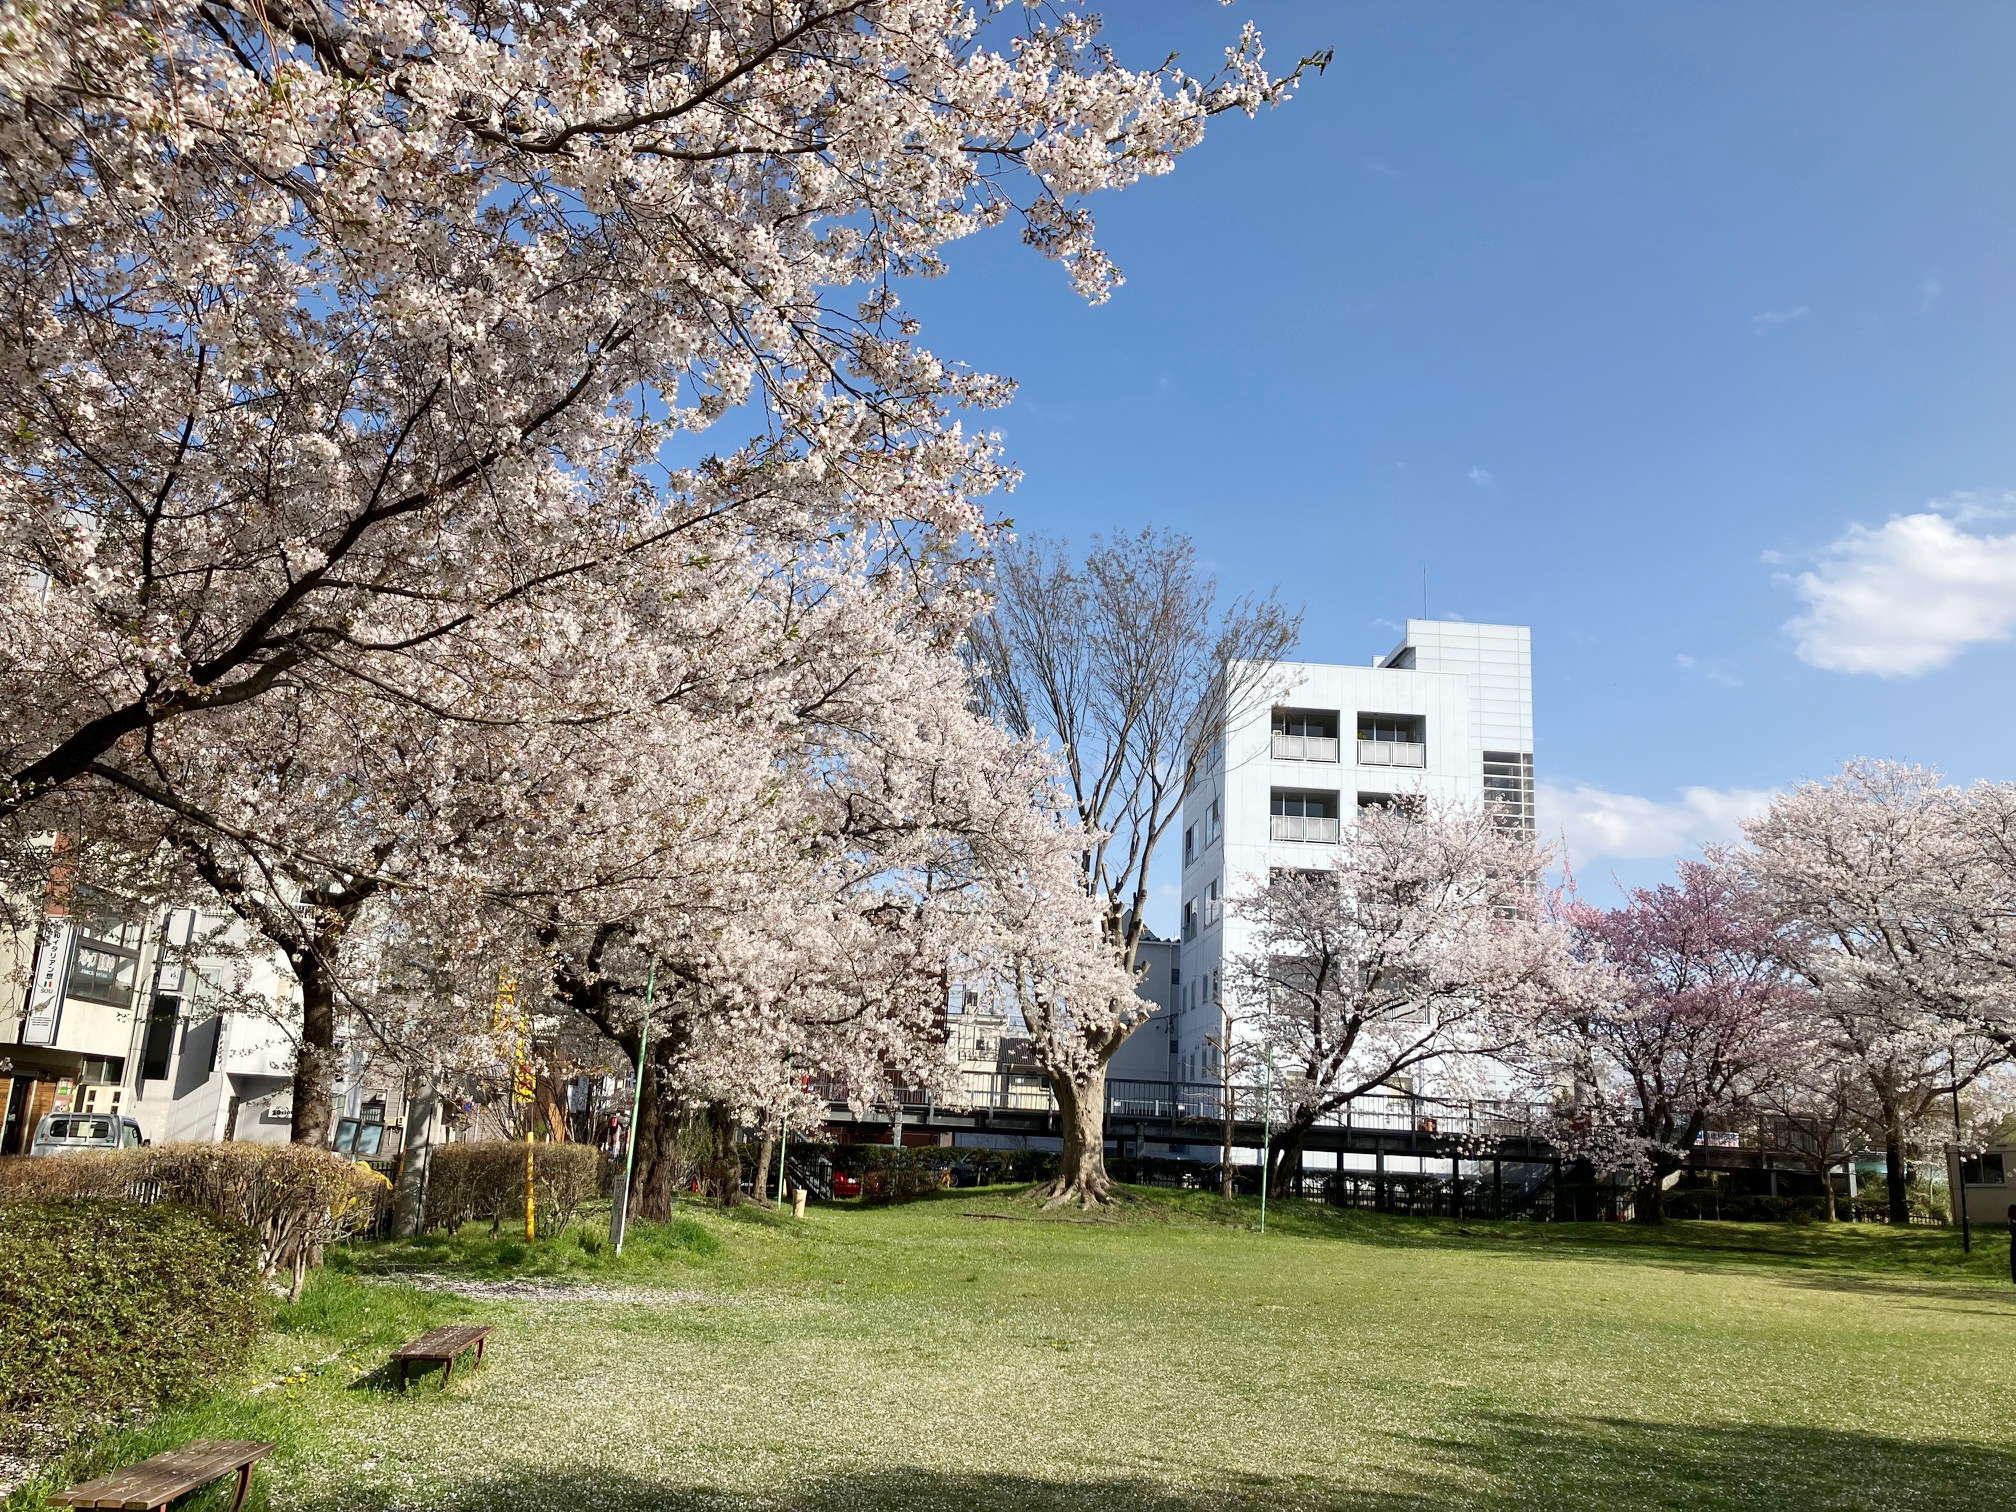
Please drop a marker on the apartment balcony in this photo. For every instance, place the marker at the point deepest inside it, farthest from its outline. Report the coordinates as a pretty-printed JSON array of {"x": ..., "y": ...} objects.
[
  {"x": 1392, "y": 753},
  {"x": 1313, "y": 828},
  {"x": 1305, "y": 747}
]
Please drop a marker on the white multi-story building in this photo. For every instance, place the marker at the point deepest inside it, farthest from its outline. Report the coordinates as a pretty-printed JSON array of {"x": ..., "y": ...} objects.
[{"x": 1447, "y": 715}]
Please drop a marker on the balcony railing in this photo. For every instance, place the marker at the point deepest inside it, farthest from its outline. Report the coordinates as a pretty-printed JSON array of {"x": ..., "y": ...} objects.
[
  {"x": 1304, "y": 747},
  {"x": 1392, "y": 753},
  {"x": 1307, "y": 827}
]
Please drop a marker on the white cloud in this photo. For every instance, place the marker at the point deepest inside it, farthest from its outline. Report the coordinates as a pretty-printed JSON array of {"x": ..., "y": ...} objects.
[
  {"x": 1909, "y": 596},
  {"x": 1764, "y": 320},
  {"x": 1625, "y": 827},
  {"x": 1480, "y": 477}
]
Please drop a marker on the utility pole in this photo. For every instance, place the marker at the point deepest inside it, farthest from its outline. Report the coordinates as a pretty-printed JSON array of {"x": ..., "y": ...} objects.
[{"x": 619, "y": 1208}]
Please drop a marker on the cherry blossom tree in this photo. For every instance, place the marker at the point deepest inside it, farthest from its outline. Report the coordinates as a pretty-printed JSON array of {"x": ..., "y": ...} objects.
[
  {"x": 889, "y": 842},
  {"x": 1877, "y": 880},
  {"x": 1693, "y": 1020},
  {"x": 336, "y": 331},
  {"x": 1423, "y": 947},
  {"x": 1122, "y": 664},
  {"x": 1814, "y": 1108}
]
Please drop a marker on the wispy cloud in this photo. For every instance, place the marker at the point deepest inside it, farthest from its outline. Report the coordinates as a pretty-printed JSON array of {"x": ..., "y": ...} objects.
[
  {"x": 1382, "y": 168},
  {"x": 1929, "y": 294},
  {"x": 1480, "y": 477},
  {"x": 1593, "y": 823},
  {"x": 1766, "y": 319},
  {"x": 1909, "y": 596},
  {"x": 1714, "y": 670}
]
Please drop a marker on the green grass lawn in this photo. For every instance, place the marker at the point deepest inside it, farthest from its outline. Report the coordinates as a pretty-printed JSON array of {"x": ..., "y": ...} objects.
[{"x": 972, "y": 1354}]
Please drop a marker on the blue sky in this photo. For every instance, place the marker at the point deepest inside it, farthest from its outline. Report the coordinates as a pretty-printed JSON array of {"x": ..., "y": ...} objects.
[{"x": 1623, "y": 321}]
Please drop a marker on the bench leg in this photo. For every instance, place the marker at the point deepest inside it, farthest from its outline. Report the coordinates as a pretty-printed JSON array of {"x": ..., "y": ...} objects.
[
  {"x": 479, "y": 1350},
  {"x": 244, "y": 1481},
  {"x": 402, "y": 1375},
  {"x": 447, "y": 1372}
]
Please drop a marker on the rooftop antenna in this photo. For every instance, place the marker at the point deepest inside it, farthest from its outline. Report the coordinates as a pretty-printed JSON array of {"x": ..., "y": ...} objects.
[{"x": 1424, "y": 593}]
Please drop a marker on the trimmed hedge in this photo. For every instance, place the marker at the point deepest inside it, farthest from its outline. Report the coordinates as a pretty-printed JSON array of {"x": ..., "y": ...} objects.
[
  {"x": 486, "y": 1179},
  {"x": 294, "y": 1198},
  {"x": 108, "y": 1307}
]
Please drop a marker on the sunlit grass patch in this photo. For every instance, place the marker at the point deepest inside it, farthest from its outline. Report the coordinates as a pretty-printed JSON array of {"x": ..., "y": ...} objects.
[{"x": 972, "y": 1352}]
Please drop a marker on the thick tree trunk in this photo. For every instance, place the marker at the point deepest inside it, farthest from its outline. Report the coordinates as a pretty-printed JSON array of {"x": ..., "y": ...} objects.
[
  {"x": 1648, "y": 1203},
  {"x": 1284, "y": 1157},
  {"x": 315, "y": 1065},
  {"x": 409, "y": 1192},
  {"x": 720, "y": 1156},
  {"x": 1827, "y": 1186},
  {"x": 763, "y": 1153},
  {"x": 656, "y": 1173},
  {"x": 1081, "y": 1170}
]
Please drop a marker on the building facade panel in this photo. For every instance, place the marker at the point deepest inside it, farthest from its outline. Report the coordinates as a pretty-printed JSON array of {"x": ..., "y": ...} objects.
[{"x": 1447, "y": 715}]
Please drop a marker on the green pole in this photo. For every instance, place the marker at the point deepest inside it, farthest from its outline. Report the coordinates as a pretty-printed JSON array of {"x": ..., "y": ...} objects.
[
  {"x": 1266, "y": 1134},
  {"x": 783, "y": 1152},
  {"x": 619, "y": 1210}
]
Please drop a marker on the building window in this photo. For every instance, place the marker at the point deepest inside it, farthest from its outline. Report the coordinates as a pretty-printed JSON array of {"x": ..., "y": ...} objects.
[
  {"x": 1214, "y": 906},
  {"x": 1982, "y": 1170},
  {"x": 1190, "y": 845},
  {"x": 1214, "y": 823},
  {"x": 1190, "y": 919},
  {"x": 1305, "y": 735},
  {"x": 1304, "y": 816},
  {"x": 1392, "y": 740},
  {"x": 108, "y": 955},
  {"x": 1508, "y": 791}
]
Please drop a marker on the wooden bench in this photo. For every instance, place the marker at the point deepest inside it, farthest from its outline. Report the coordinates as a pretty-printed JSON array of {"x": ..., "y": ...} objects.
[
  {"x": 440, "y": 1347},
  {"x": 153, "y": 1483}
]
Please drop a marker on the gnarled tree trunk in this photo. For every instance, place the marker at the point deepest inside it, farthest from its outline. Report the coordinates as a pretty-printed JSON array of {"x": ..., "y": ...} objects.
[
  {"x": 315, "y": 1064},
  {"x": 655, "y": 1177},
  {"x": 1081, "y": 1170}
]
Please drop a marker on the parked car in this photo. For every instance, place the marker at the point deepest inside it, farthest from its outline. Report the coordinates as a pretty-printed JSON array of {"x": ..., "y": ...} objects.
[{"x": 69, "y": 1133}]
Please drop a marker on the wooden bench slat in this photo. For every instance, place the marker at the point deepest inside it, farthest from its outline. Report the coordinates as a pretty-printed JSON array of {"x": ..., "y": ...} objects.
[
  {"x": 442, "y": 1342},
  {"x": 159, "y": 1479}
]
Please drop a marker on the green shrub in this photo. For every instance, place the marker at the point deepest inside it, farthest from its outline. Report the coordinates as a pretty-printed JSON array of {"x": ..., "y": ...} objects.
[
  {"x": 486, "y": 1179},
  {"x": 295, "y": 1198},
  {"x": 106, "y": 1307}
]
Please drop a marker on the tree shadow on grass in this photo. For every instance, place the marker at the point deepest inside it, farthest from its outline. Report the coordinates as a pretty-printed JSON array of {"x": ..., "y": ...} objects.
[
  {"x": 1925, "y": 1262},
  {"x": 1501, "y": 1462}
]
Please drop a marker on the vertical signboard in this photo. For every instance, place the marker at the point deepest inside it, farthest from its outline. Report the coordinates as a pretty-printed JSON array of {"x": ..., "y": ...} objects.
[{"x": 45, "y": 990}]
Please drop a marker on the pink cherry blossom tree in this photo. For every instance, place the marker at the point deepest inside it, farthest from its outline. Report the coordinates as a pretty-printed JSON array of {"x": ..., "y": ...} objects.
[
  {"x": 335, "y": 331},
  {"x": 1424, "y": 948},
  {"x": 1878, "y": 881},
  {"x": 1690, "y": 1019}
]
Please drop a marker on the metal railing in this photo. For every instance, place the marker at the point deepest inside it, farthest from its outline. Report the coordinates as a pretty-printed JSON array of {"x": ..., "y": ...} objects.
[
  {"x": 1304, "y": 747},
  {"x": 1205, "y": 1103},
  {"x": 1314, "y": 828},
  {"x": 1392, "y": 753}
]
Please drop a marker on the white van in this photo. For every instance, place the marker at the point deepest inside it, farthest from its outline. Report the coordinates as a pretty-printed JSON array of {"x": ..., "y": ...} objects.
[{"x": 68, "y": 1133}]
